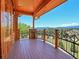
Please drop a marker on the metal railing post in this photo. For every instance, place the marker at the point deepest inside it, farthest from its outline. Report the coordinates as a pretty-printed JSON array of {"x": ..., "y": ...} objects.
[{"x": 74, "y": 45}]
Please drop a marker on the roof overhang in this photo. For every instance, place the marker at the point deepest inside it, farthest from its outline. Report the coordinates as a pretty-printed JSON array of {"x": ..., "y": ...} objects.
[
  {"x": 49, "y": 6},
  {"x": 35, "y": 8}
]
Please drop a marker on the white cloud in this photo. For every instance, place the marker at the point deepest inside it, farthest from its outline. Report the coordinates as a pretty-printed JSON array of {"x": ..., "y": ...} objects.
[{"x": 72, "y": 24}]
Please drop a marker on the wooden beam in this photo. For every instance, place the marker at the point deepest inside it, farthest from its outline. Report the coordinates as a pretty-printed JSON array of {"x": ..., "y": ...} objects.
[
  {"x": 14, "y": 3},
  {"x": 20, "y": 11},
  {"x": 11, "y": 6},
  {"x": 23, "y": 12},
  {"x": 15, "y": 25},
  {"x": 43, "y": 3}
]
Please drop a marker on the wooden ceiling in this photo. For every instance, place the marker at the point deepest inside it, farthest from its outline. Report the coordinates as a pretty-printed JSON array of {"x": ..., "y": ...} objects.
[{"x": 35, "y": 8}]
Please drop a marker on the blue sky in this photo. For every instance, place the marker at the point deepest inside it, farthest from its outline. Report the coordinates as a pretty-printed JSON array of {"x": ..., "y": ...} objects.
[{"x": 66, "y": 14}]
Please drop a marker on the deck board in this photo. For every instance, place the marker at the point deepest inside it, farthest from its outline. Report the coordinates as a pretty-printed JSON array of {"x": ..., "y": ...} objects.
[{"x": 35, "y": 49}]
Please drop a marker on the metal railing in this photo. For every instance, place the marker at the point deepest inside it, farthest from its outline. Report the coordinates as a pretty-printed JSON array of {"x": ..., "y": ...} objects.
[
  {"x": 69, "y": 43},
  {"x": 50, "y": 38}
]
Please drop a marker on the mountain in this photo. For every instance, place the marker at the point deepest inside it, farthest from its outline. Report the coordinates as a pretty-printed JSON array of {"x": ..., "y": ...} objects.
[
  {"x": 73, "y": 27},
  {"x": 70, "y": 27}
]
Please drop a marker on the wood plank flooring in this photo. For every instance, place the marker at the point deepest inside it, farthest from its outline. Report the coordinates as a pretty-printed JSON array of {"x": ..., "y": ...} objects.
[{"x": 35, "y": 49}]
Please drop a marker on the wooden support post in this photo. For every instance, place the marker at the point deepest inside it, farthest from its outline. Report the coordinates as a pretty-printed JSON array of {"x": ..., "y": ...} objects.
[
  {"x": 56, "y": 40},
  {"x": 35, "y": 34},
  {"x": 33, "y": 23},
  {"x": 0, "y": 31},
  {"x": 29, "y": 33},
  {"x": 32, "y": 34},
  {"x": 2, "y": 10},
  {"x": 18, "y": 34},
  {"x": 44, "y": 35},
  {"x": 15, "y": 26}
]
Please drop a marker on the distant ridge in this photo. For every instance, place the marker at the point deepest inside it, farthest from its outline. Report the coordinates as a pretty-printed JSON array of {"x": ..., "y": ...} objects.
[{"x": 70, "y": 27}]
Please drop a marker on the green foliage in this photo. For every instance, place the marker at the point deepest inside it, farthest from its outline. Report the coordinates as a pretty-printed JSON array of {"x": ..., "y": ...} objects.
[
  {"x": 74, "y": 48},
  {"x": 61, "y": 44},
  {"x": 50, "y": 31},
  {"x": 40, "y": 32},
  {"x": 23, "y": 28}
]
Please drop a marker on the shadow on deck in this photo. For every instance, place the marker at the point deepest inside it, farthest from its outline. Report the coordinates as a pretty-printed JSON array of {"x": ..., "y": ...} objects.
[{"x": 35, "y": 49}]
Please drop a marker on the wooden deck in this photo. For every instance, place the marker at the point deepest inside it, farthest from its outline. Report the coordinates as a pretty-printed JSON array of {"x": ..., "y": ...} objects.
[{"x": 35, "y": 49}]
